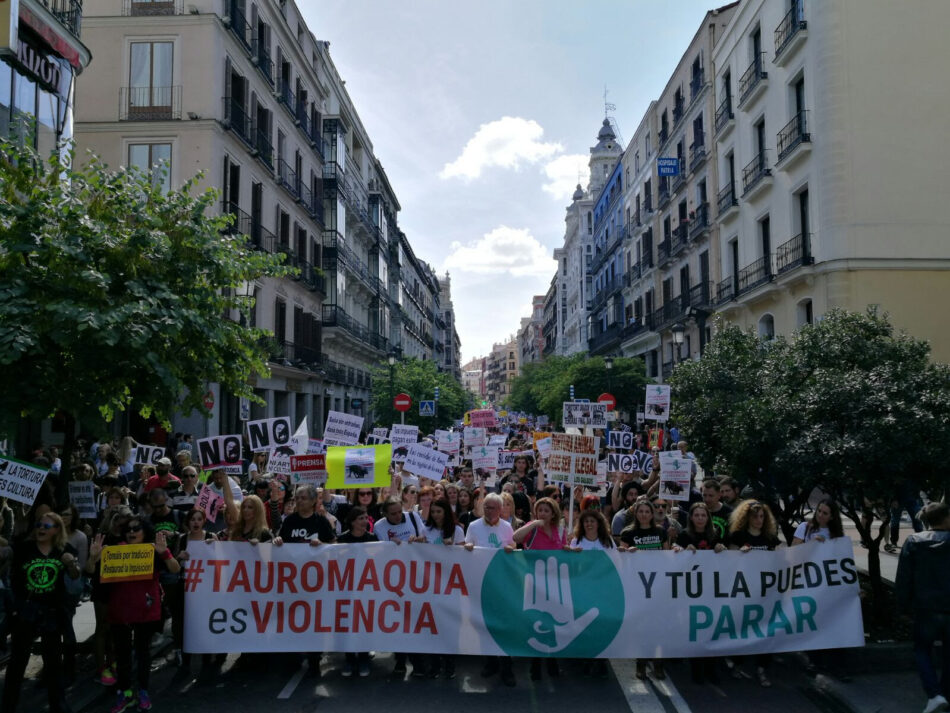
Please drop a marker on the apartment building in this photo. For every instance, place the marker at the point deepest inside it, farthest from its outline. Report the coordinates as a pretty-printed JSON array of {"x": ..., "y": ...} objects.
[
  {"x": 551, "y": 317},
  {"x": 502, "y": 368},
  {"x": 832, "y": 165},
  {"x": 243, "y": 92},
  {"x": 448, "y": 344},
  {"x": 474, "y": 378},
  {"x": 531, "y": 333}
]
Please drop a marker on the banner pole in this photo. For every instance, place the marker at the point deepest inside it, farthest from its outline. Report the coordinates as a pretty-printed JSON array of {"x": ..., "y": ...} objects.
[{"x": 570, "y": 512}]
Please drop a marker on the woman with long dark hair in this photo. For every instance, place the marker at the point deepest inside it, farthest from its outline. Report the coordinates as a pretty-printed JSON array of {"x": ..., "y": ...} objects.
[
  {"x": 824, "y": 525},
  {"x": 357, "y": 530}
]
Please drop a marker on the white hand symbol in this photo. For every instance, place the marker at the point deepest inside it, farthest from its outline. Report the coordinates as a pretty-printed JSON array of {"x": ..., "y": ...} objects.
[{"x": 548, "y": 591}]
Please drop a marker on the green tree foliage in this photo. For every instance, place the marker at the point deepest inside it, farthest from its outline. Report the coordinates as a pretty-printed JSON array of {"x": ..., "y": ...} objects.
[
  {"x": 847, "y": 406},
  {"x": 542, "y": 387},
  {"x": 418, "y": 378},
  {"x": 113, "y": 295}
]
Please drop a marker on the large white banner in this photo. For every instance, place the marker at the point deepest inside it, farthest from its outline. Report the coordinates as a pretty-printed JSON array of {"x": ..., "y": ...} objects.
[{"x": 444, "y": 599}]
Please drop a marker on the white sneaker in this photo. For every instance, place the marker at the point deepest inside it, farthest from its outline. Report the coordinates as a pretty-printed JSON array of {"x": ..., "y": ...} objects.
[{"x": 936, "y": 704}]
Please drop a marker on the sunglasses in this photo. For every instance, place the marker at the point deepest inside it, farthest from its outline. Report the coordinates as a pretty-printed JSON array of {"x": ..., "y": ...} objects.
[
  {"x": 370, "y": 492},
  {"x": 664, "y": 506},
  {"x": 133, "y": 528},
  {"x": 46, "y": 526}
]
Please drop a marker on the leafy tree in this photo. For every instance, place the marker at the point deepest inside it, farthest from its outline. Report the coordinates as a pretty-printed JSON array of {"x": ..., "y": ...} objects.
[
  {"x": 418, "y": 378},
  {"x": 113, "y": 295},
  {"x": 846, "y": 406},
  {"x": 542, "y": 387}
]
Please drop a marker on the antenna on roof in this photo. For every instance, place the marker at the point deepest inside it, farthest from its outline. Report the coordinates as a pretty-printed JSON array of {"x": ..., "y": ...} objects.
[{"x": 608, "y": 107}]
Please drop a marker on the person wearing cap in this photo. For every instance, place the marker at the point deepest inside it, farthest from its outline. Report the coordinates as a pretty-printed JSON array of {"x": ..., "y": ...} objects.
[{"x": 163, "y": 478}]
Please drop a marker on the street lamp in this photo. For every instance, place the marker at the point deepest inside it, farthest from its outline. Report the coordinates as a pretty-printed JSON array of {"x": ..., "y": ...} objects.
[
  {"x": 608, "y": 365},
  {"x": 678, "y": 331}
]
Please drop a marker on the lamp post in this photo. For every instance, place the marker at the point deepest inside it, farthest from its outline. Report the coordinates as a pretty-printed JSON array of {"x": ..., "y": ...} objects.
[
  {"x": 678, "y": 331},
  {"x": 608, "y": 365},
  {"x": 392, "y": 385}
]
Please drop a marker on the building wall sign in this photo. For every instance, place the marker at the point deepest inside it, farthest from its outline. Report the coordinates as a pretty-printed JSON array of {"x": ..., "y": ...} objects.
[{"x": 50, "y": 71}]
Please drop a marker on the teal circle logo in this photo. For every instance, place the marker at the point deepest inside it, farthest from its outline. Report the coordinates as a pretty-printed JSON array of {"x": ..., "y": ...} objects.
[{"x": 552, "y": 603}]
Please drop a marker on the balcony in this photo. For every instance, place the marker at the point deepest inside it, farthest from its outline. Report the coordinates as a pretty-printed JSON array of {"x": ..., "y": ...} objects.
[
  {"x": 699, "y": 223},
  {"x": 262, "y": 238},
  {"x": 261, "y": 58},
  {"x": 265, "y": 151},
  {"x": 663, "y": 252},
  {"x": 647, "y": 204},
  {"x": 697, "y": 153},
  {"x": 311, "y": 278},
  {"x": 755, "y": 274},
  {"x": 678, "y": 112},
  {"x": 725, "y": 118},
  {"x": 663, "y": 195},
  {"x": 790, "y": 33},
  {"x": 149, "y": 103},
  {"x": 236, "y": 119},
  {"x": 795, "y": 253},
  {"x": 237, "y": 23},
  {"x": 696, "y": 86},
  {"x": 606, "y": 340},
  {"x": 680, "y": 178},
  {"x": 663, "y": 135},
  {"x": 756, "y": 176},
  {"x": 726, "y": 200},
  {"x": 725, "y": 291},
  {"x": 333, "y": 316},
  {"x": 287, "y": 177},
  {"x": 680, "y": 238},
  {"x": 794, "y": 140},
  {"x": 68, "y": 12},
  {"x": 151, "y": 8},
  {"x": 241, "y": 223},
  {"x": 285, "y": 95},
  {"x": 753, "y": 81}
]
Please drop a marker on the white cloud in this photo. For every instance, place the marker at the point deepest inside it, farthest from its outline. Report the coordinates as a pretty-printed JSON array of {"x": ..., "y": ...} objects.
[
  {"x": 504, "y": 250},
  {"x": 564, "y": 173},
  {"x": 508, "y": 142}
]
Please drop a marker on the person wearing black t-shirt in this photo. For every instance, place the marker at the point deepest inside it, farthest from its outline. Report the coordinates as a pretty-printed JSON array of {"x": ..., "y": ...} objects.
[
  {"x": 718, "y": 510},
  {"x": 357, "y": 522},
  {"x": 39, "y": 566},
  {"x": 753, "y": 527},
  {"x": 305, "y": 525},
  {"x": 643, "y": 534}
]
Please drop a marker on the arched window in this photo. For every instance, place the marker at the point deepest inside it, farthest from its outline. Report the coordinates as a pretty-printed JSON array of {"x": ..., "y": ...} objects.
[
  {"x": 767, "y": 327},
  {"x": 805, "y": 314}
]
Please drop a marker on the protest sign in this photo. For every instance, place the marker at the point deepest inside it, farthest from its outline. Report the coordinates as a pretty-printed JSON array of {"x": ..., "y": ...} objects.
[
  {"x": 268, "y": 433},
  {"x": 210, "y": 502},
  {"x": 676, "y": 476},
  {"x": 473, "y": 436},
  {"x": 315, "y": 446},
  {"x": 447, "y": 441},
  {"x": 573, "y": 459},
  {"x": 576, "y": 414},
  {"x": 544, "y": 446},
  {"x": 658, "y": 402},
  {"x": 82, "y": 494},
  {"x": 20, "y": 481},
  {"x": 359, "y": 466},
  {"x": 621, "y": 463},
  {"x": 434, "y": 599},
  {"x": 374, "y": 440},
  {"x": 221, "y": 452},
  {"x": 497, "y": 440},
  {"x": 381, "y": 433},
  {"x": 483, "y": 418},
  {"x": 342, "y": 429},
  {"x": 308, "y": 469},
  {"x": 403, "y": 435},
  {"x": 148, "y": 455},
  {"x": 542, "y": 420},
  {"x": 620, "y": 440},
  {"x": 506, "y": 459},
  {"x": 425, "y": 462},
  {"x": 127, "y": 563}
]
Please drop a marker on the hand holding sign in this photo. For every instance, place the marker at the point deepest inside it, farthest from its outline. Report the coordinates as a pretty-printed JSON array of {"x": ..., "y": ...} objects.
[{"x": 549, "y": 591}]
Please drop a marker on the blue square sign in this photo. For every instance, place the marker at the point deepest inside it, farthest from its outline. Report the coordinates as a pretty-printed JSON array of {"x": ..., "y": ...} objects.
[{"x": 669, "y": 166}]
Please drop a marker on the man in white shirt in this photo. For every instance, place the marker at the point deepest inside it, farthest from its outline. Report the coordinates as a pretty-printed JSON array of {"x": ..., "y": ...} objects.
[{"x": 491, "y": 531}]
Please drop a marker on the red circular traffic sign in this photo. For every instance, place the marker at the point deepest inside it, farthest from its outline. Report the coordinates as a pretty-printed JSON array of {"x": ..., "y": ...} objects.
[
  {"x": 608, "y": 399},
  {"x": 402, "y": 402},
  {"x": 209, "y": 400}
]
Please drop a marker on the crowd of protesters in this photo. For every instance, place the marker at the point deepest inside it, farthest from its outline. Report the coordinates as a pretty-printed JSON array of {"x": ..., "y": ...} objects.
[{"x": 51, "y": 557}]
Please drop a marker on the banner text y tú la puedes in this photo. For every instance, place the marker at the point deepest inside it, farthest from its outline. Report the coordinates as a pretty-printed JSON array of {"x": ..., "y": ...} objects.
[{"x": 443, "y": 599}]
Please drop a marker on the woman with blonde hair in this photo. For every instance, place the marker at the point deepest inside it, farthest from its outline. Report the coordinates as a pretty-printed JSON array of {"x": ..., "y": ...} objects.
[
  {"x": 251, "y": 524},
  {"x": 508, "y": 511}
]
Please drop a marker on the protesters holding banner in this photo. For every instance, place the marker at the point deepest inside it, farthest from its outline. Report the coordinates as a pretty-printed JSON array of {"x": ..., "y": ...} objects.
[
  {"x": 357, "y": 524},
  {"x": 304, "y": 524},
  {"x": 718, "y": 511},
  {"x": 508, "y": 511},
  {"x": 40, "y": 608},
  {"x": 591, "y": 532},
  {"x": 426, "y": 496},
  {"x": 753, "y": 527},
  {"x": 135, "y": 608},
  {"x": 251, "y": 526},
  {"x": 824, "y": 525},
  {"x": 175, "y": 596},
  {"x": 440, "y": 526},
  {"x": 491, "y": 531},
  {"x": 464, "y": 507}
]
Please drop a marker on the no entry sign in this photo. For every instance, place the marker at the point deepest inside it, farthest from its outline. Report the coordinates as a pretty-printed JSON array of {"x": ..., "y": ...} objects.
[
  {"x": 402, "y": 402},
  {"x": 608, "y": 399}
]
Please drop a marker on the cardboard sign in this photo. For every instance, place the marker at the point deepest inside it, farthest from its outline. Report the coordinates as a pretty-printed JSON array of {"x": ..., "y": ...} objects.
[
  {"x": 127, "y": 563},
  {"x": 82, "y": 494},
  {"x": 577, "y": 414},
  {"x": 543, "y": 446},
  {"x": 403, "y": 435},
  {"x": 425, "y": 462},
  {"x": 483, "y": 418},
  {"x": 210, "y": 502},
  {"x": 448, "y": 441},
  {"x": 497, "y": 440},
  {"x": 308, "y": 469},
  {"x": 620, "y": 440},
  {"x": 621, "y": 463},
  {"x": 359, "y": 466},
  {"x": 149, "y": 455},
  {"x": 573, "y": 459},
  {"x": 676, "y": 476},
  {"x": 474, "y": 436},
  {"x": 20, "y": 481},
  {"x": 506, "y": 459},
  {"x": 658, "y": 402},
  {"x": 373, "y": 440},
  {"x": 220, "y": 452},
  {"x": 342, "y": 429},
  {"x": 381, "y": 432},
  {"x": 269, "y": 433}
]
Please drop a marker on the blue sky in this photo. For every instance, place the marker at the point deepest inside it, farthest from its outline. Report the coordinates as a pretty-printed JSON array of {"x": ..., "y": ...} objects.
[{"x": 482, "y": 114}]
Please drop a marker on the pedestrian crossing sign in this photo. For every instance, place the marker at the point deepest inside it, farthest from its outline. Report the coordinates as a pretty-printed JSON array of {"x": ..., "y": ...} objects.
[{"x": 427, "y": 408}]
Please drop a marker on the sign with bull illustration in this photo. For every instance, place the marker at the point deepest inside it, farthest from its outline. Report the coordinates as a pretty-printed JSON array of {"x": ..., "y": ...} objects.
[{"x": 359, "y": 466}]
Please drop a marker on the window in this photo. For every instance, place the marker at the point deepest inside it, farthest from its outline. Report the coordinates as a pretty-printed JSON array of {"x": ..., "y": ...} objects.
[
  {"x": 150, "y": 76},
  {"x": 804, "y": 313},
  {"x": 767, "y": 327},
  {"x": 149, "y": 159}
]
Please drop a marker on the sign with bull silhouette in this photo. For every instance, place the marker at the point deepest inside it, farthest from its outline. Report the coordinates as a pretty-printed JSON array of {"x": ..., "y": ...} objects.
[
  {"x": 359, "y": 466},
  {"x": 676, "y": 474}
]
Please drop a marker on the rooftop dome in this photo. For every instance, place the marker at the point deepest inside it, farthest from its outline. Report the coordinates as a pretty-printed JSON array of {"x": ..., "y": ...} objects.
[
  {"x": 606, "y": 131},
  {"x": 578, "y": 194}
]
